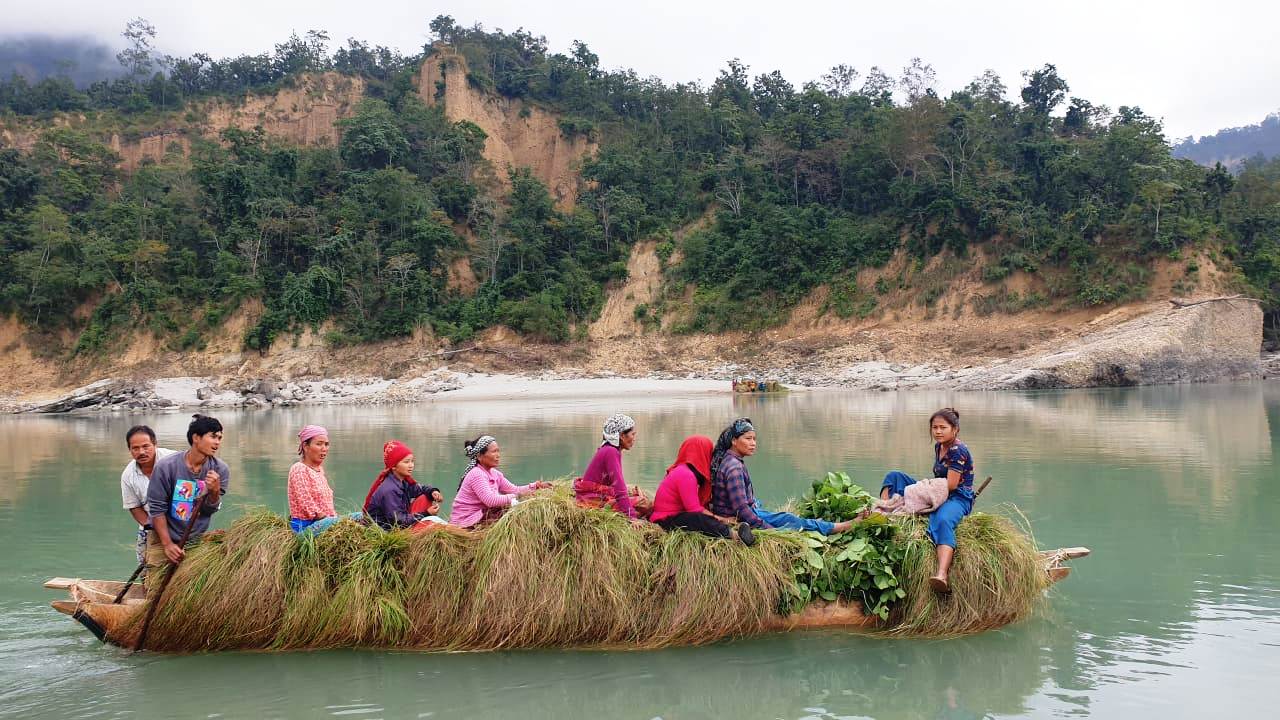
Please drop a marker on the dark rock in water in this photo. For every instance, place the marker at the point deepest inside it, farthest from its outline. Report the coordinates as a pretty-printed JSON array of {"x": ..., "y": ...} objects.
[{"x": 1110, "y": 375}]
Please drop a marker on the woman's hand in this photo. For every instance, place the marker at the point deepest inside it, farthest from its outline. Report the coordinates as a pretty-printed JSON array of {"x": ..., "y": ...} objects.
[{"x": 541, "y": 485}]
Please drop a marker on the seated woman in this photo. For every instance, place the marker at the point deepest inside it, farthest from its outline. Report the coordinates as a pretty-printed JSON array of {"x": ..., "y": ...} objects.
[
  {"x": 732, "y": 494},
  {"x": 680, "y": 502},
  {"x": 951, "y": 460},
  {"x": 392, "y": 496},
  {"x": 602, "y": 483},
  {"x": 310, "y": 497},
  {"x": 484, "y": 493}
]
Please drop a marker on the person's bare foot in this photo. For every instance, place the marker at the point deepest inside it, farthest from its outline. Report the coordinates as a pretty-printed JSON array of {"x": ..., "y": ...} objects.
[
  {"x": 842, "y": 527},
  {"x": 940, "y": 585}
]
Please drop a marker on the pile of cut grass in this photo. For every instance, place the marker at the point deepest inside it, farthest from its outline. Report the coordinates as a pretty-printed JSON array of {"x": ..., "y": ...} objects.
[
  {"x": 997, "y": 577},
  {"x": 550, "y": 573}
]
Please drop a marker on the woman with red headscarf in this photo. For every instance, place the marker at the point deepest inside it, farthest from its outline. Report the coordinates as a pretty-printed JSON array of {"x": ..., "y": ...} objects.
[
  {"x": 391, "y": 499},
  {"x": 680, "y": 503}
]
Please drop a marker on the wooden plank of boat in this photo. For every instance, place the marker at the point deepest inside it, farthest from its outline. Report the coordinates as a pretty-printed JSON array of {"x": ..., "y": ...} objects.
[{"x": 105, "y": 591}]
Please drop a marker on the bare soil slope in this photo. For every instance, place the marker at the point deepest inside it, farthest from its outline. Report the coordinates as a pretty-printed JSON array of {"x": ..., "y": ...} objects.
[{"x": 520, "y": 134}]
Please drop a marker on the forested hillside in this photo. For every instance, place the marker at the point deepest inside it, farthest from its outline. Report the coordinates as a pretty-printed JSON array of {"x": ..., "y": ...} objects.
[{"x": 795, "y": 187}]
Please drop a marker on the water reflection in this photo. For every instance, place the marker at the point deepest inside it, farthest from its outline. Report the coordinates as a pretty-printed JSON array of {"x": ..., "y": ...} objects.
[{"x": 1174, "y": 489}]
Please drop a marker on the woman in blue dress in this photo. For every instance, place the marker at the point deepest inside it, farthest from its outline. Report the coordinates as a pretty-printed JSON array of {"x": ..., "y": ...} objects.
[{"x": 951, "y": 460}]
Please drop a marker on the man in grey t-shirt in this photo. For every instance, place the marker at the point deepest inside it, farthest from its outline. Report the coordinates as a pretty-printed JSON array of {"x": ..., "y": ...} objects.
[
  {"x": 134, "y": 480},
  {"x": 177, "y": 482}
]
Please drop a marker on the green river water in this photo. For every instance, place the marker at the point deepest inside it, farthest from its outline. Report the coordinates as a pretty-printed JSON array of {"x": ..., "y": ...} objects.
[{"x": 1176, "y": 614}]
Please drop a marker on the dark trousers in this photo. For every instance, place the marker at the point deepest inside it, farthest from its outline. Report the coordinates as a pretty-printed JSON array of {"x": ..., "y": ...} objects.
[{"x": 696, "y": 522}]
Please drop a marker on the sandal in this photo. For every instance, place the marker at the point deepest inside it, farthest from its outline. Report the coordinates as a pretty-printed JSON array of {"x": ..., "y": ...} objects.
[
  {"x": 940, "y": 585},
  {"x": 745, "y": 534}
]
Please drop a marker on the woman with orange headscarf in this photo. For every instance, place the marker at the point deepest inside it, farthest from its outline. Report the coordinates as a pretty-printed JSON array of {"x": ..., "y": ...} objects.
[{"x": 680, "y": 503}]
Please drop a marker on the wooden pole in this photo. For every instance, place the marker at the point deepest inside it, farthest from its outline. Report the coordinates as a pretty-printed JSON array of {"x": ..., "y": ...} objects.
[
  {"x": 129, "y": 584},
  {"x": 155, "y": 601}
]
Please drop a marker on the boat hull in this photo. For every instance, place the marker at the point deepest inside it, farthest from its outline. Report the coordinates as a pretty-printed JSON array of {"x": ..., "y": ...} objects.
[{"x": 91, "y": 603}]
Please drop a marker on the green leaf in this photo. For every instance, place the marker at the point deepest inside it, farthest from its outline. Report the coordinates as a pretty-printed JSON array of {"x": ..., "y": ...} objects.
[
  {"x": 828, "y": 596},
  {"x": 814, "y": 559}
]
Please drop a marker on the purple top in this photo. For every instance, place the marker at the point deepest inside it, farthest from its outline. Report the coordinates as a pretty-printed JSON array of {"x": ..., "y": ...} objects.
[
  {"x": 606, "y": 469},
  {"x": 173, "y": 490},
  {"x": 731, "y": 493},
  {"x": 389, "y": 506}
]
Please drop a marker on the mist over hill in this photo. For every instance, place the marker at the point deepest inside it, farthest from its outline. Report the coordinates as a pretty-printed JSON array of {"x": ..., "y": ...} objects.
[
  {"x": 82, "y": 59},
  {"x": 1233, "y": 146}
]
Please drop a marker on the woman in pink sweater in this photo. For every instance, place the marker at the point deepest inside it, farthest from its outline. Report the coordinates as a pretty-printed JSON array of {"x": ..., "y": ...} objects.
[
  {"x": 484, "y": 493},
  {"x": 680, "y": 503}
]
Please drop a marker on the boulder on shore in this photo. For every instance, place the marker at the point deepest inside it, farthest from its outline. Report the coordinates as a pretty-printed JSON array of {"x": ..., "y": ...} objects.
[{"x": 1213, "y": 341}]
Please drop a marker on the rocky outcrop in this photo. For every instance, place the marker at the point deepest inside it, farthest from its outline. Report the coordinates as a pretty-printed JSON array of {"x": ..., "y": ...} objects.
[
  {"x": 107, "y": 395},
  {"x": 520, "y": 134},
  {"x": 1210, "y": 342},
  {"x": 1214, "y": 341}
]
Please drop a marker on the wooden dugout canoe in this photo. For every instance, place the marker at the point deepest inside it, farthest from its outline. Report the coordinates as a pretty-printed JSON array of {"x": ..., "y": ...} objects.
[{"x": 90, "y": 602}]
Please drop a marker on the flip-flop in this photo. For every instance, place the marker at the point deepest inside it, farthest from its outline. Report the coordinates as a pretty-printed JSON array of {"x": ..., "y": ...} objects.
[{"x": 940, "y": 586}]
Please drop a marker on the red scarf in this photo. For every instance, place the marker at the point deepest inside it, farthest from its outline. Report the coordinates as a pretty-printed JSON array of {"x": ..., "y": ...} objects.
[
  {"x": 695, "y": 451},
  {"x": 392, "y": 453}
]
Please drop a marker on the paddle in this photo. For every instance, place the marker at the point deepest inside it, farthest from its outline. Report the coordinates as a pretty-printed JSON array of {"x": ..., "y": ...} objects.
[
  {"x": 129, "y": 584},
  {"x": 982, "y": 487},
  {"x": 155, "y": 602}
]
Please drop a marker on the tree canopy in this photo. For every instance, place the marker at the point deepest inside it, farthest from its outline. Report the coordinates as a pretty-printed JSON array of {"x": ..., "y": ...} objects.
[{"x": 799, "y": 185}]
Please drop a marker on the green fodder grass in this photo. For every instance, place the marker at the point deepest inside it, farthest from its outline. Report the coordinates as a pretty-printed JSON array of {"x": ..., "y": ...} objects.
[
  {"x": 229, "y": 592},
  {"x": 548, "y": 574},
  {"x": 997, "y": 577},
  {"x": 702, "y": 588}
]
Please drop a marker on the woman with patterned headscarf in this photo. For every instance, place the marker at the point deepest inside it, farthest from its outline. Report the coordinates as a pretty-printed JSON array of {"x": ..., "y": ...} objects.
[
  {"x": 602, "y": 482},
  {"x": 484, "y": 493},
  {"x": 732, "y": 494}
]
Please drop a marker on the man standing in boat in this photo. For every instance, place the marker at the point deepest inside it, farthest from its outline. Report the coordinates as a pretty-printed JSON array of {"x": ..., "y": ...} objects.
[
  {"x": 136, "y": 479},
  {"x": 176, "y": 483}
]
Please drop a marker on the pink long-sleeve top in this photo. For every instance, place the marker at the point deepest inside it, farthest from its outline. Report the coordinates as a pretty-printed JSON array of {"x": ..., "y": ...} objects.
[
  {"x": 677, "y": 493},
  {"x": 605, "y": 469},
  {"x": 483, "y": 489},
  {"x": 310, "y": 497}
]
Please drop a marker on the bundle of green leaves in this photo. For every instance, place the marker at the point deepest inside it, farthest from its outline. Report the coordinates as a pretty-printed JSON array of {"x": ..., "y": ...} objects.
[
  {"x": 835, "y": 498},
  {"x": 862, "y": 565}
]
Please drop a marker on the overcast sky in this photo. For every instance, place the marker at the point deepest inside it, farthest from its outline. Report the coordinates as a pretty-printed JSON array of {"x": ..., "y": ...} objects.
[{"x": 1200, "y": 66}]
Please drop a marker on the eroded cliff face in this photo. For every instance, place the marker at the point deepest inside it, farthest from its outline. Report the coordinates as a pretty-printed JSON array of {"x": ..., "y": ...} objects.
[
  {"x": 306, "y": 114},
  {"x": 520, "y": 134}
]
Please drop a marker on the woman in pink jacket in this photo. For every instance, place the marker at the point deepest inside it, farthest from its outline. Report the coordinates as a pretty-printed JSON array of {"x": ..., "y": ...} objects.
[
  {"x": 484, "y": 493},
  {"x": 681, "y": 500}
]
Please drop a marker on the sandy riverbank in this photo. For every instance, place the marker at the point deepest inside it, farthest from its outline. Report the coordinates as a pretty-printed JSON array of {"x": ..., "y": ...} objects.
[{"x": 1209, "y": 342}]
